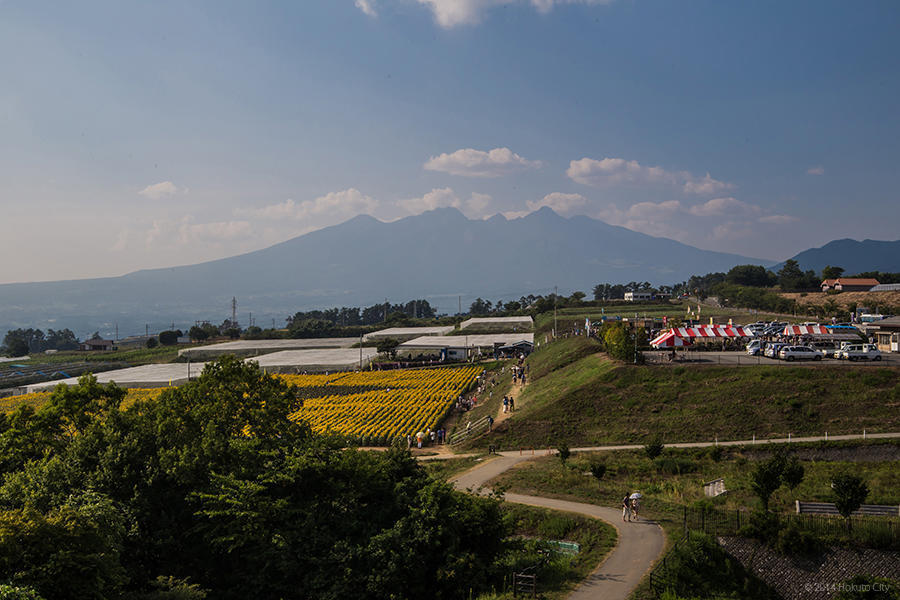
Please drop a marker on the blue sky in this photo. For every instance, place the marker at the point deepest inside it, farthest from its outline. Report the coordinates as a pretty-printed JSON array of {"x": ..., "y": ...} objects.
[{"x": 137, "y": 135}]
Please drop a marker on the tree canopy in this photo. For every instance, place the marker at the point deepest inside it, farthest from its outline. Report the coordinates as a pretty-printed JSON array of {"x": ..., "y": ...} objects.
[{"x": 213, "y": 490}]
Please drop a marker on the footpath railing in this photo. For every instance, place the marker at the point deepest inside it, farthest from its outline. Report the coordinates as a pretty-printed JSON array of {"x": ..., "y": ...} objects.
[{"x": 469, "y": 431}]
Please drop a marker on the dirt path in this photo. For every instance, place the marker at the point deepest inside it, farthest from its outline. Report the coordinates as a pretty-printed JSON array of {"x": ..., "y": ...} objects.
[
  {"x": 638, "y": 544},
  {"x": 515, "y": 391}
]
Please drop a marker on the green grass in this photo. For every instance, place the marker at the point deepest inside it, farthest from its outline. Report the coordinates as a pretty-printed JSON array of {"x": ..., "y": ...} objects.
[
  {"x": 444, "y": 469},
  {"x": 629, "y": 470},
  {"x": 160, "y": 354},
  {"x": 588, "y": 400},
  {"x": 531, "y": 526}
]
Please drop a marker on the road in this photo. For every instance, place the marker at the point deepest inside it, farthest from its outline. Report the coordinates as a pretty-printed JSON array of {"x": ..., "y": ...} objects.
[
  {"x": 638, "y": 544},
  {"x": 687, "y": 357}
]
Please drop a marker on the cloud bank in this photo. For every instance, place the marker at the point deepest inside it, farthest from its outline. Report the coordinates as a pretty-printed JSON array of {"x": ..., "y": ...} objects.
[
  {"x": 468, "y": 162},
  {"x": 618, "y": 171}
]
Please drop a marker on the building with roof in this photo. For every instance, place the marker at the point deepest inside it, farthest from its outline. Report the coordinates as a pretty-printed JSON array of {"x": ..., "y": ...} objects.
[
  {"x": 96, "y": 345},
  {"x": 886, "y": 287},
  {"x": 849, "y": 284},
  {"x": 406, "y": 333},
  {"x": 886, "y": 333}
]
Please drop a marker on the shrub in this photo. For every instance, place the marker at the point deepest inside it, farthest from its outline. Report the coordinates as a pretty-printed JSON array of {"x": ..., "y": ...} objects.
[
  {"x": 152, "y": 343},
  {"x": 715, "y": 453},
  {"x": 563, "y": 451},
  {"x": 673, "y": 465},
  {"x": 654, "y": 448},
  {"x": 598, "y": 470},
  {"x": 763, "y": 526},
  {"x": 794, "y": 541}
]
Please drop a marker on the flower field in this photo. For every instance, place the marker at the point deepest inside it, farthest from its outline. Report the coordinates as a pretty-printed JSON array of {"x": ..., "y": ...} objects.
[
  {"x": 374, "y": 407},
  {"x": 378, "y": 406}
]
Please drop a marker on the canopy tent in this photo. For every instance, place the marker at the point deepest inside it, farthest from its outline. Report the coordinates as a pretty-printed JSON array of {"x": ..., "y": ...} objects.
[
  {"x": 668, "y": 339},
  {"x": 820, "y": 331},
  {"x": 713, "y": 331}
]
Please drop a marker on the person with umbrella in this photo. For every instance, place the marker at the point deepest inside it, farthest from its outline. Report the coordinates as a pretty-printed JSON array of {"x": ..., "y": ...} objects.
[{"x": 635, "y": 503}]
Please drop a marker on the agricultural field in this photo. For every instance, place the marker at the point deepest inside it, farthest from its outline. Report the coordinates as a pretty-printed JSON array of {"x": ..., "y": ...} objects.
[{"x": 376, "y": 407}]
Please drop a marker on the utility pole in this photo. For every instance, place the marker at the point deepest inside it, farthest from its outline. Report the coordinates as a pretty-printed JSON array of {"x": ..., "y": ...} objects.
[
  {"x": 234, "y": 312},
  {"x": 555, "y": 294},
  {"x": 117, "y": 332},
  {"x": 146, "y": 329},
  {"x": 460, "y": 306},
  {"x": 360, "y": 352}
]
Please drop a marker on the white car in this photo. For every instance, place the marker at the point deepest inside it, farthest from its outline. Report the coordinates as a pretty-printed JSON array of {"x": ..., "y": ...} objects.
[
  {"x": 754, "y": 347},
  {"x": 773, "y": 348},
  {"x": 790, "y": 353},
  {"x": 860, "y": 352}
]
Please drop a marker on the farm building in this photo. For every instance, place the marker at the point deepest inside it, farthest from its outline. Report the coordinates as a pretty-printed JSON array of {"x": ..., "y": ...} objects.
[
  {"x": 316, "y": 360},
  {"x": 243, "y": 348},
  {"x": 849, "y": 284},
  {"x": 638, "y": 296},
  {"x": 94, "y": 345},
  {"x": 886, "y": 333},
  {"x": 406, "y": 333},
  {"x": 459, "y": 347},
  {"x": 498, "y": 324}
]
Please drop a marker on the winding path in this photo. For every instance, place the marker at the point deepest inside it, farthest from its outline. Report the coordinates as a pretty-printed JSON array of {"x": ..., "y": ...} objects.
[{"x": 638, "y": 544}]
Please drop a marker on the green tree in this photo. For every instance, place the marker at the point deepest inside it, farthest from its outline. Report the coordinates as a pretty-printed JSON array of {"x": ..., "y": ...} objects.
[
  {"x": 388, "y": 347},
  {"x": 169, "y": 337},
  {"x": 152, "y": 343},
  {"x": 562, "y": 450},
  {"x": 750, "y": 275},
  {"x": 793, "y": 473},
  {"x": 830, "y": 272},
  {"x": 16, "y": 592},
  {"x": 850, "y": 492},
  {"x": 790, "y": 277},
  {"x": 598, "y": 470},
  {"x": 767, "y": 477}
]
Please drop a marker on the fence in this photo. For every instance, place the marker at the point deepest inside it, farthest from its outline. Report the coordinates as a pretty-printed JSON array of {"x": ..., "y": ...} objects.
[
  {"x": 663, "y": 575},
  {"x": 478, "y": 427},
  {"x": 884, "y": 531}
]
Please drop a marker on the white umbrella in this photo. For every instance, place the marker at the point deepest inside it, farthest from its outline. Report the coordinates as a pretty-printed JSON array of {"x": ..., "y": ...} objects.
[{"x": 636, "y": 495}]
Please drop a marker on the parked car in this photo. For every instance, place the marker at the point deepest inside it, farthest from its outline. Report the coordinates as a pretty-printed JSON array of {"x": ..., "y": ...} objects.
[
  {"x": 861, "y": 352},
  {"x": 790, "y": 353},
  {"x": 754, "y": 347},
  {"x": 772, "y": 349},
  {"x": 826, "y": 348}
]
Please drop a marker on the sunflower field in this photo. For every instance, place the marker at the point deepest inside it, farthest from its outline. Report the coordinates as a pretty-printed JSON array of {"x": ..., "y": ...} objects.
[
  {"x": 376, "y": 407},
  {"x": 371, "y": 407}
]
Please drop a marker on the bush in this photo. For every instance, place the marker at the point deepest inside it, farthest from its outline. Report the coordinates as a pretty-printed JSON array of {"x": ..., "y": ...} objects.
[
  {"x": 152, "y": 343},
  {"x": 598, "y": 470},
  {"x": 672, "y": 465},
  {"x": 169, "y": 338},
  {"x": 654, "y": 448},
  {"x": 764, "y": 526},
  {"x": 563, "y": 451},
  {"x": 794, "y": 541},
  {"x": 715, "y": 453}
]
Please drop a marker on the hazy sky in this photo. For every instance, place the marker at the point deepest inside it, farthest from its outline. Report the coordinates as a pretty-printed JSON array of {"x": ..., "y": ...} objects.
[{"x": 148, "y": 134}]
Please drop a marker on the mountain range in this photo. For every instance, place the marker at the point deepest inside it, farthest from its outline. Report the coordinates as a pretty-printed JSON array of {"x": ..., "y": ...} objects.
[
  {"x": 439, "y": 255},
  {"x": 853, "y": 256}
]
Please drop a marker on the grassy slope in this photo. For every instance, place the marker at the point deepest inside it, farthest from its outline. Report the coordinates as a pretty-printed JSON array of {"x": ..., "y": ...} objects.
[{"x": 585, "y": 399}]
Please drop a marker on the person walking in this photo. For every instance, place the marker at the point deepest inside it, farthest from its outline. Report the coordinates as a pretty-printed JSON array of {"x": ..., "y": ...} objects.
[
  {"x": 635, "y": 507},
  {"x": 626, "y": 508},
  {"x": 505, "y": 404},
  {"x": 490, "y": 423},
  {"x": 512, "y": 404}
]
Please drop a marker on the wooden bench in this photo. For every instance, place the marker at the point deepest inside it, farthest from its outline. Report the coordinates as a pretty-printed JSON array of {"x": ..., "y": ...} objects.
[{"x": 866, "y": 510}]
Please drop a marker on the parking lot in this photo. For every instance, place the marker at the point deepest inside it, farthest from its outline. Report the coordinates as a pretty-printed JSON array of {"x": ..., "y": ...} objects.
[{"x": 743, "y": 359}]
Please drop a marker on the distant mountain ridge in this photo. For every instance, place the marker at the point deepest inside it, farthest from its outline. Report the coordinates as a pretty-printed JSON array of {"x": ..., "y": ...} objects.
[
  {"x": 437, "y": 255},
  {"x": 853, "y": 256}
]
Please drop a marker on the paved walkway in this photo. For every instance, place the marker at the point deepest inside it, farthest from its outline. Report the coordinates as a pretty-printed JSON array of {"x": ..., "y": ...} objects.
[{"x": 638, "y": 545}]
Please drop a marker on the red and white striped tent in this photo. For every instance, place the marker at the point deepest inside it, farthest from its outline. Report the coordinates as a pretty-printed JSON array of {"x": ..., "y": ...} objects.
[
  {"x": 668, "y": 339},
  {"x": 713, "y": 331},
  {"x": 820, "y": 331},
  {"x": 791, "y": 330}
]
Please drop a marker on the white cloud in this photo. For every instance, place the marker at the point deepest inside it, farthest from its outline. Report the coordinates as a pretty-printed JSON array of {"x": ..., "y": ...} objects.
[
  {"x": 215, "y": 232},
  {"x": 720, "y": 207},
  {"x": 817, "y": 170},
  {"x": 367, "y": 6},
  {"x": 343, "y": 203},
  {"x": 159, "y": 190},
  {"x": 450, "y": 13},
  {"x": 706, "y": 185},
  {"x": 468, "y": 162},
  {"x": 778, "y": 219},
  {"x": 618, "y": 171},
  {"x": 476, "y": 206},
  {"x": 564, "y": 204}
]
